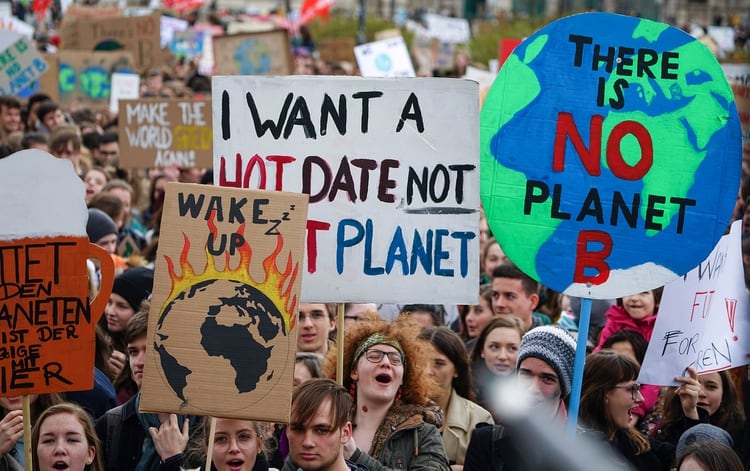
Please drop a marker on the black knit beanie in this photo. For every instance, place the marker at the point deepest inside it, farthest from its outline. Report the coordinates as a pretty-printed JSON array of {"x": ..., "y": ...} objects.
[{"x": 134, "y": 285}]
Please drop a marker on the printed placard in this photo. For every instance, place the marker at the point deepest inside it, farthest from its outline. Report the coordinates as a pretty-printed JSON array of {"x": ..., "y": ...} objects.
[
  {"x": 386, "y": 58},
  {"x": 124, "y": 86},
  {"x": 85, "y": 78},
  {"x": 160, "y": 133},
  {"x": 702, "y": 321},
  {"x": 47, "y": 324},
  {"x": 390, "y": 177},
  {"x": 137, "y": 34},
  {"x": 224, "y": 309},
  {"x": 599, "y": 179},
  {"x": 265, "y": 53},
  {"x": 20, "y": 63}
]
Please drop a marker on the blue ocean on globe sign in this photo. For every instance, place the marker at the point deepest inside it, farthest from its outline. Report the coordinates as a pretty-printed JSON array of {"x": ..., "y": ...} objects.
[
  {"x": 610, "y": 154},
  {"x": 253, "y": 57}
]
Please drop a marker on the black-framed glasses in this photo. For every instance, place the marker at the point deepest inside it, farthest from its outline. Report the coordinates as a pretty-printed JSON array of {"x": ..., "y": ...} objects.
[
  {"x": 634, "y": 389},
  {"x": 376, "y": 356}
]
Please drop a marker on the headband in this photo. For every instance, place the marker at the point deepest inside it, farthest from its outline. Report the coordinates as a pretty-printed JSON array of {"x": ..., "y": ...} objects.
[{"x": 376, "y": 339}]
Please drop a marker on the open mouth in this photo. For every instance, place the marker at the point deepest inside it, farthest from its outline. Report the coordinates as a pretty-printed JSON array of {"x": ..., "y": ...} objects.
[
  {"x": 235, "y": 464},
  {"x": 383, "y": 379},
  {"x": 60, "y": 465}
]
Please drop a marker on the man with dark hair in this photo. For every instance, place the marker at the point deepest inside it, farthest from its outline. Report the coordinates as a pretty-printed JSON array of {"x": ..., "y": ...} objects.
[
  {"x": 514, "y": 292},
  {"x": 10, "y": 117},
  {"x": 34, "y": 140},
  {"x": 319, "y": 427},
  {"x": 49, "y": 116},
  {"x": 108, "y": 152}
]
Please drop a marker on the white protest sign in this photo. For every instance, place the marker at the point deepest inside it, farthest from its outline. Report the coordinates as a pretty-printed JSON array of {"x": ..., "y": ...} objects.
[
  {"x": 11, "y": 23},
  {"x": 169, "y": 26},
  {"x": 392, "y": 178},
  {"x": 124, "y": 87},
  {"x": 20, "y": 63},
  {"x": 703, "y": 318},
  {"x": 724, "y": 37},
  {"x": 448, "y": 30},
  {"x": 386, "y": 58}
]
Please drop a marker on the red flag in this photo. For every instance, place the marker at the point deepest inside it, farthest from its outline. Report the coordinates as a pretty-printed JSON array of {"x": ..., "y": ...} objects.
[
  {"x": 40, "y": 8},
  {"x": 312, "y": 8}
]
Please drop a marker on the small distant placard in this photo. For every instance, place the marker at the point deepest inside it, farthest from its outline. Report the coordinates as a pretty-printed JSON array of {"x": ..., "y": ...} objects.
[
  {"x": 448, "y": 30},
  {"x": 160, "y": 133},
  {"x": 265, "y": 53},
  {"x": 124, "y": 87},
  {"x": 386, "y": 58},
  {"x": 20, "y": 63}
]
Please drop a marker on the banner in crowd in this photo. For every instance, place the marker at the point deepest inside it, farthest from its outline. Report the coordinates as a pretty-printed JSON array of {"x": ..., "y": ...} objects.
[
  {"x": 385, "y": 58},
  {"x": 20, "y": 63},
  {"x": 390, "y": 174},
  {"x": 139, "y": 35},
  {"x": 598, "y": 179},
  {"x": 47, "y": 324},
  {"x": 265, "y": 53},
  {"x": 702, "y": 321},
  {"x": 224, "y": 308},
  {"x": 163, "y": 132},
  {"x": 85, "y": 78}
]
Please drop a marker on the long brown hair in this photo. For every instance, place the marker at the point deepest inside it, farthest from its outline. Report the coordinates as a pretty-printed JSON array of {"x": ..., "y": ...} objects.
[
  {"x": 450, "y": 344},
  {"x": 417, "y": 384},
  {"x": 88, "y": 428},
  {"x": 603, "y": 371}
]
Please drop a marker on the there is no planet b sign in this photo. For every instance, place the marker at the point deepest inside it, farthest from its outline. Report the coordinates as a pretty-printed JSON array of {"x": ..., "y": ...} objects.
[{"x": 610, "y": 155}]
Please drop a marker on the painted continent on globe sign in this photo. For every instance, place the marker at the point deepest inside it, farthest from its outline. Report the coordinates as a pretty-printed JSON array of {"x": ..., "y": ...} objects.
[{"x": 610, "y": 154}]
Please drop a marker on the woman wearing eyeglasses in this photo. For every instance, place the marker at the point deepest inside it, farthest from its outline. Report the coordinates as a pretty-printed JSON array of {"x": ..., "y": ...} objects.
[
  {"x": 610, "y": 392},
  {"x": 395, "y": 426}
]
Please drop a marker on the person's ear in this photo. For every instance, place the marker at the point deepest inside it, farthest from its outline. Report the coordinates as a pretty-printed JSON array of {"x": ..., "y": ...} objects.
[
  {"x": 346, "y": 432},
  {"x": 354, "y": 375},
  {"x": 534, "y": 300}
]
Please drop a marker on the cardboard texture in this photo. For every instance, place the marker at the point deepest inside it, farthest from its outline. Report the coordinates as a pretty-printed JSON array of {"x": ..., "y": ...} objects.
[
  {"x": 222, "y": 331},
  {"x": 616, "y": 191},
  {"x": 162, "y": 132},
  {"x": 138, "y": 35},
  {"x": 85, "y": 77},
  {"x": 49, "y": 82},
  {"x": 20, "y": 63},
  {"x": 47, "y": 326},
  {"x": 265, "y": 53},
  {"x": 391, "y": 178},
  {"x": 336, "y": 49}
]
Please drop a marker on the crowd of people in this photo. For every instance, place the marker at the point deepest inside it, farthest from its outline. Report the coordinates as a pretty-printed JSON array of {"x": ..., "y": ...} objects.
[{"x": 425, "y": 387}]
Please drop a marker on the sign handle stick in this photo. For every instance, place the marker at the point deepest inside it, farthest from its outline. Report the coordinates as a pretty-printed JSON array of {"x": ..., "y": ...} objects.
[
  {"x": 210, "y": 447},
  {"x": 27, "y": 432},
  {"x": 583, "y": 335},
  {"x": 340, "y": 343}
]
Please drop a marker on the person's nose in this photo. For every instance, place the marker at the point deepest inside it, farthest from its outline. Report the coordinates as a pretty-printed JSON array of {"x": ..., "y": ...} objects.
[
  {"x": 234, "y": 446},
  {"x": 305, "y": 320}
]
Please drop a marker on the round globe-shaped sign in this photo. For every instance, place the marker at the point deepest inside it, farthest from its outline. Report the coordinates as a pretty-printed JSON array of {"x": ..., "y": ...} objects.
[{"x": 610, "y": 154}]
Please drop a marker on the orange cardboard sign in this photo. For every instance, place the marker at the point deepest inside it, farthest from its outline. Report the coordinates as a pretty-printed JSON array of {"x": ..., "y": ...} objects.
[{"x": 222, "y": 327}]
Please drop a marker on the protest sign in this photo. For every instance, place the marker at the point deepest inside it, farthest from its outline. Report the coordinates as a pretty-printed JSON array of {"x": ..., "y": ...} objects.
[
  {"x": 47, "y": 83},
  {"x": 138, "y": 35},
  {"x": 20, "y": 63},
  {"x": 702, "y": 321},
  {"x": 265, "y": 53},
  {"x": 170, "y": 26},
  {"x": 164, "y": 132},
  {"x": 124, "y": 87},
  {"x": 483, "y": 78},
  {"x": 336, "y": 49},
  {"x": 386, "y": 58},
  {"x": 14, "y": 25},
  {"x": 598, "y": 179},
  {"x": 224, "y": 308},
  {"x": 448, "y": 30},
  {"x": 47, "y": 326},
  {"x": 389, "y": 173},
  {"x": 187, "y": 44},
  {"x": 85, "y": 78},
  {"x": 739, "y": 78}
]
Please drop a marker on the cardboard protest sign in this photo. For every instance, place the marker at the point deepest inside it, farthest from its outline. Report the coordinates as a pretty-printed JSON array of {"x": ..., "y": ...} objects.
[
  {"x": 386, "y": 58},
  {"x": 160, "y": 133},
  {"x": 86, "y": 77},
  {"x": 20, "y": 63},
  {"x": 336, "y": 49},
  {"x": 47, "y": 83},
  {"x": 265, "y": 53},
  {"x": 603, "y": 142},
  {"x": 389, "y": 173},
  {"x": 739, "y": 78},
  {"x": 47, "y": 326},
  {"x": 138, "y": 35},
  {"x": 223, "y": 320},
  {"x": 703, "y": 318}
]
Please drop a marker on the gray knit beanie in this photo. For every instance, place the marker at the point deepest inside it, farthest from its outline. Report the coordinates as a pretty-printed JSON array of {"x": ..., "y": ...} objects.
[
  {"x": 554, "y": 346},
  {"x": 703, "y": 433},
  {"x": 99, "y": 225}
]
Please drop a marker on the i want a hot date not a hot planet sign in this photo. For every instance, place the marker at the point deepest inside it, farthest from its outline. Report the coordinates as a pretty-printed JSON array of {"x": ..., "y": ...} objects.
[{"x": 610, "y": 154}]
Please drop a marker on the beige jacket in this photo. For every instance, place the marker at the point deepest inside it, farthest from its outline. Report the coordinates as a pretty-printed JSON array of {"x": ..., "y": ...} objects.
[{"x": 460, "y": 419}]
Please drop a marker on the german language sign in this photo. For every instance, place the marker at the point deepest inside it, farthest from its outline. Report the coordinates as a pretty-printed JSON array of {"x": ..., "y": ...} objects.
[
  {"x": 394, "y": 216},
  {"x": 160, "y": 133},
  {"x": 20, "y": 63},
  {"x": 224, "y": 309},
  {"x": 47, "y": 325},
  {"x": 702, "y": 321},
  {"x": 610, "y": 154}
]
